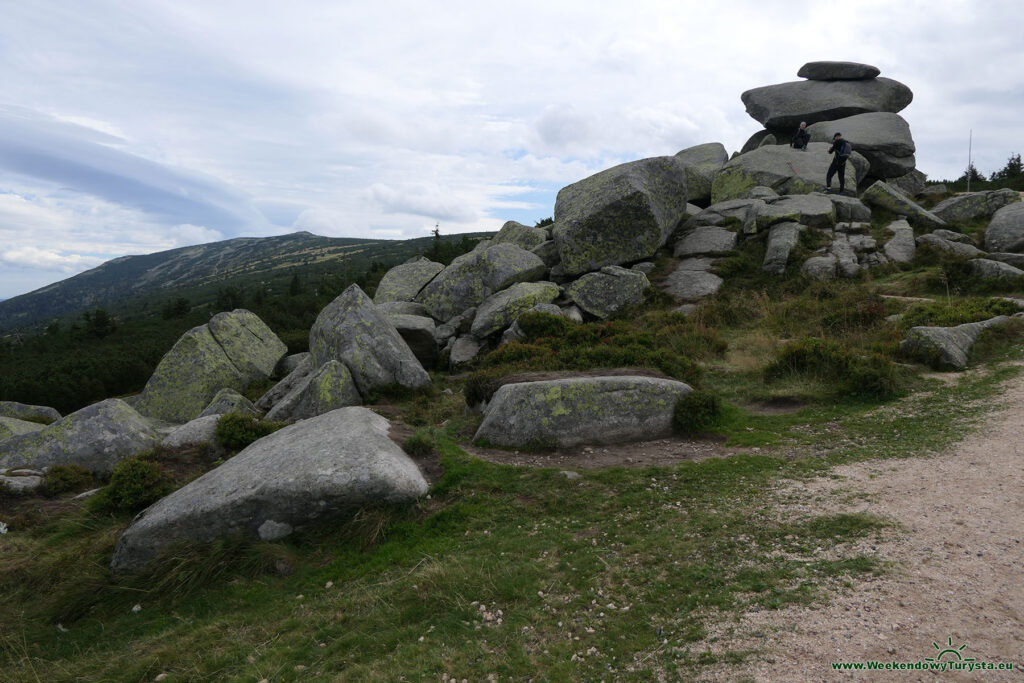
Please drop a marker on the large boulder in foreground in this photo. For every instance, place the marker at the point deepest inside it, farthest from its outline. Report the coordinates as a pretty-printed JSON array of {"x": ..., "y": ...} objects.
[
  {"x": 945, "y": 347},
  {"x": 29, "y": 413},
  {"x": 96, "y": 437},
  {"x": 353, "y": 331},
  {"x": 785, "y": 105},
  {"x": 231, "y": 351},
  {"x": 620, "y": 215},
  {"x": 404, "y": 282},
  {"x": 882, "y": 138},
  {"x": 297, "y": 475},
  {"x": 581, "y": 410},
  {"x": 784, "y": 169},
  {"x": 1005, "y": 231},
  {"x": 473, "y": 277}
]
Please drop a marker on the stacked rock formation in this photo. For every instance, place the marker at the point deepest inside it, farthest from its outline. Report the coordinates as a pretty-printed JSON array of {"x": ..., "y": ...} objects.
[{"x": 840, "y": 97}]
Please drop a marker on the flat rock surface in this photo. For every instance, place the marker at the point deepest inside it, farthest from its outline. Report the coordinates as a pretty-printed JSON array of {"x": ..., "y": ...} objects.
[
  {"x": 787, "y": 104},
  {"x": 691, "y": 280},
  {"x": 831, "y": 71}
]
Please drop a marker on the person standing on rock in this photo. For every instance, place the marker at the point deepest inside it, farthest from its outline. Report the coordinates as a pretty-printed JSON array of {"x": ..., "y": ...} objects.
[
  {"x": 801, "y": 137},
  {"x": 842, "y": 150}
]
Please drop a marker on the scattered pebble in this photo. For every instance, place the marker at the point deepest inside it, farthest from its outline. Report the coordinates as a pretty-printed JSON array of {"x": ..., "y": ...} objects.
[{"x": 136, "y": 609}]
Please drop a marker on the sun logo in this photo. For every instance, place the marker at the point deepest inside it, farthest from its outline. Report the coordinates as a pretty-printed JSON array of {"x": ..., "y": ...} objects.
[{"x": 949, "y": 650}]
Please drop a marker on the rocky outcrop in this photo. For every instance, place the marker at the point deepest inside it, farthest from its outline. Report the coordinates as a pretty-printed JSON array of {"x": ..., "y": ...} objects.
[
  {"x": 882, "y": 138},
  {"x": 231, "y": 351},
  {"x": 582, "y": 410},
  {"x": 781, "y": 240},
  {"x": 784, "y": 106},
  {"x": 500, "y": 310},
  {"x": 328, "y": 388},
  {"x": 404, "y": 282},
  {"x": 783, "y": 169},
  {"x": 28, "y": 413},
  {"x": 837, "y": 71},
  {"x": 1006, "y": 229},
  {"x": 619, "y": 215},
  {"x": 994, "y": 270},
  {"x": 954, "y": 246},
  {"x": 975, "y": 205},
  {"x": 351, "y": 330},
  {"x": 521, "y": 235},
  {"x": 96, "y": 437},
  {"x": 902, "y": 246},
  {"x": 473, "y": 277},
  {"x": 945, "y": 347},
  {"x": 229, "y": 401},
  {"x": 885, "y": 197},
  {"x": 609, "y": 291},
  {"x": 702, "y": 163},
  {"x": 706, "y": 239},
  {"x": 296, "y": 476},
  {"x": 10, "y": 426},
  {"x": 692, "y": 280}
]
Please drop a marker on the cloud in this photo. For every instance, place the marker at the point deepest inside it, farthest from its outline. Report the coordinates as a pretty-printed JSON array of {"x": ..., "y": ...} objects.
[
  {"x": 429, "y": 201},
  {"x": 47, "y": 259}
]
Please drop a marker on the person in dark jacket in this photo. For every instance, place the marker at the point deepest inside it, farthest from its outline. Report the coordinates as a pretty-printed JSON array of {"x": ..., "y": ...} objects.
[
  {"x": 842, "y": 150},
  {"x": 801, "y": 137}
]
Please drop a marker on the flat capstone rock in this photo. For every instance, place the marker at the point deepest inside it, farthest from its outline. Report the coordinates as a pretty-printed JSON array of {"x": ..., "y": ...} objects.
[{"x": 837, "y": 71}]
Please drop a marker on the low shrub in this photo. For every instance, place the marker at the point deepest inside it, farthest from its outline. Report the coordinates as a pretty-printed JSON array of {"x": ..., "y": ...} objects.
[
  {"x": 537, "y": 324},
  {"x": 65, "y": 478},
  {"x": 135, "y": 484},
  {"x": 957, "y": 312},
  {"x": 235, "y": 431},
  {"x": 697, "y": 412},
  {"x": 854, "y": 374}
]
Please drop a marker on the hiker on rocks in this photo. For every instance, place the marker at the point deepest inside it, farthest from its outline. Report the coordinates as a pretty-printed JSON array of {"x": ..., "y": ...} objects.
[
  {"x": 842, "y": 150},
  {"x": 801, "y": 137}
]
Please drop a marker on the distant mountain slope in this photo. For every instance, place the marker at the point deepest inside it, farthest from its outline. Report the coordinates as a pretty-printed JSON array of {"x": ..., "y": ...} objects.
[{"x": 132, "y": 284}]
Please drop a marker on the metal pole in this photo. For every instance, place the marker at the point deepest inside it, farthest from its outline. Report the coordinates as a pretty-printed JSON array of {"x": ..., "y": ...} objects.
[{"x": 970, "y": 143}]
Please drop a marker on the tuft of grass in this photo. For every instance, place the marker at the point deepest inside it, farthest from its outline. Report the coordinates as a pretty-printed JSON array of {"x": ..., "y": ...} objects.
[
  {"x": 957, "y": 311},
  {"x": 696, "y": 412},
  {"x": 235, "y": 431}
]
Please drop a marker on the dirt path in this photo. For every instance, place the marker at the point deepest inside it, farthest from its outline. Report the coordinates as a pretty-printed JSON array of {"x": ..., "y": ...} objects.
[{"x": 957, "y": 568}]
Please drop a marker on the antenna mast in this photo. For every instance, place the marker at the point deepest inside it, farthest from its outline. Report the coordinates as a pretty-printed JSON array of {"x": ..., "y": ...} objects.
[{"x": 970, "y": 164}]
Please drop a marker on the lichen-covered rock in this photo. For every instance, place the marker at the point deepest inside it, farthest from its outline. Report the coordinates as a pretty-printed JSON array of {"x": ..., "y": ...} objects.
[
  {"x": 847, "y": 264},
  {"x": 781, "y": 240},
  {"x": 202, "y": 430},
  {"x": 298, "y": 475},
  {"x": 548, "y": 253},
  {"x": 609, "y": 291},
  {"x": 692, "y": 280},
  {"x": 837, "y": 71},
  {"x": 286, "y": 365},
  {"x": 520, "y": 235},
  {"x": 785, "y": 105},
  {"x": 783, "y": 169},
  {"x": 953, "y": 236},
  {"x": 282, "y": 388},
  {"x": 420, "y": 333},
  {"x": 20, "y": 481},
  {"x": 10, "y": 426},
  {"x": 702, "y": 162},
  {"x": 954, "y": 246},
  {"x": 619, "y": 215},
  {"x": 28, "y": 413},
  {"x": 732, "y": 211},
  {"x": 994, "y": 270},
  {"x": 499, "y": 310},
  {"x": 230, "y": 401},
  {"x": 975, "y": 205},
  {"x": 404, "y": 282},
  {"x": 820, "y": 267},
  {"x": 351, "y": 330},
  {"x": 327, "y": 388},
  {"x": 581, "y": 410},
  {"x": 883, "y": 196},
  {"x": 463, "y": 350},
  {"x": 1005, "y": 231},
  {"x": 902, "y": 247},
  {"x": 911, "y": 184},
  {"x": 96, "y": 437},
  {"x": 945, "y": 347},
  {"x": 402, "y": 308},
  {"x": 882, "y": 138},
  {"x": 231, "y": 351},
  {"x": 812, "y": 210},
  {"x": 1015, "y": 260},
  {"x": 706, "y": 239},
  {"x": 473, "y": 277},
  {"x": 849, "y": 209}
]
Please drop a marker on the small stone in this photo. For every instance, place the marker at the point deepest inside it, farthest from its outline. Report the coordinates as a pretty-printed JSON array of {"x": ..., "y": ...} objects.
[{"x": 136, "y": 609}]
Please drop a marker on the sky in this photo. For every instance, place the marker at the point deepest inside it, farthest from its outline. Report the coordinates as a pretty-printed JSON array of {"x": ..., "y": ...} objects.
[{"x": 130, "y": 128}]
